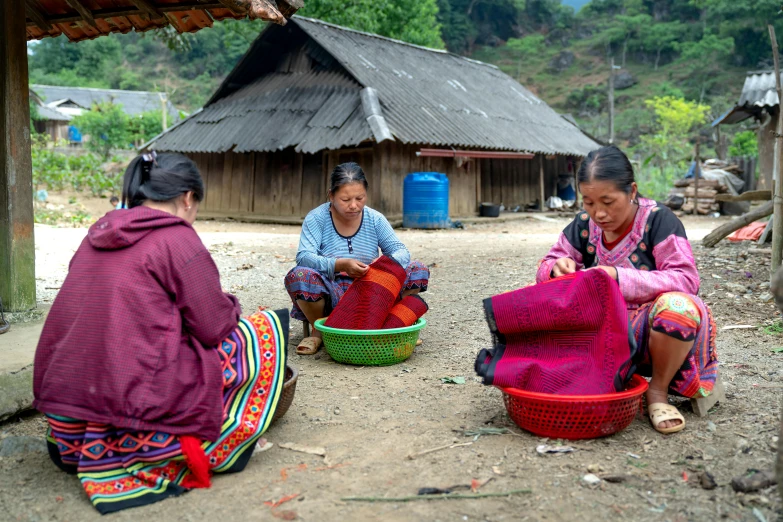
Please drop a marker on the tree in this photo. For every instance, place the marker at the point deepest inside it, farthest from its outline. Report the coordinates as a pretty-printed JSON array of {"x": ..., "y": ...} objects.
[
  {"x": 526, "y": 47},
  {"x": 705, "y": 58},
  {"x": 663, "y": 36},
  {"x": 632, "y": 25},
  {"x": 108, "y": 127},
  {"x": 746, "y": 22},
  {"x": 745, "y": 144},
  {"x": 675, "y": 120},
  {"x": 413, "y": 21},
  {"x": 145, "y": 126}
]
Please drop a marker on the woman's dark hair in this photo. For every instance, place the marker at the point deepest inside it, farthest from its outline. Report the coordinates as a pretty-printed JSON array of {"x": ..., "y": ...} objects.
[
  {"x": 160, "y": 177},
  {"x": 344, "y": 174},
  {"x": 607, "y": 164}
]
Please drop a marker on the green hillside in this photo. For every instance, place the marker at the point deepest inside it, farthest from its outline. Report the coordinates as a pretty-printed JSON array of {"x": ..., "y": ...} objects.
[{"x": 696, "y": 49}]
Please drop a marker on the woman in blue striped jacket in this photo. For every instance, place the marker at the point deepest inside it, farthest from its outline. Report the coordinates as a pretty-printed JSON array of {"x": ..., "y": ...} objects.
[{"x": 339, "y": 240}]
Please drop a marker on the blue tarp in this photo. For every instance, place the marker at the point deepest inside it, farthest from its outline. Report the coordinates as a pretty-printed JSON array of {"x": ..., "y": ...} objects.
[{"x": 74, "y": 134}]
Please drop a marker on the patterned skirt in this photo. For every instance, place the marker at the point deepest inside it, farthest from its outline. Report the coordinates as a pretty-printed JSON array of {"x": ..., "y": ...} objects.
[
  {"x": 311, "y": 285},
  {"x": 686, "y": 318},
  {"x": 121, "y": 468}
]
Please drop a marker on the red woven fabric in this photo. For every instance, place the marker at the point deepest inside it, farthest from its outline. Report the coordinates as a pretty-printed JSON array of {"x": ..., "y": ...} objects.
[
  {"x": 567, "y": 336},
  {"x": 368, "y": 300},
  {"x": 406, "y": 312}
]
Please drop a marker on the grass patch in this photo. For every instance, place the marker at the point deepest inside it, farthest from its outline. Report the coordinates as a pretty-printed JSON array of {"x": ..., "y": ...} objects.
[
  {"x": 776, "y": 328},
  {"x": 55, "y": 217}
]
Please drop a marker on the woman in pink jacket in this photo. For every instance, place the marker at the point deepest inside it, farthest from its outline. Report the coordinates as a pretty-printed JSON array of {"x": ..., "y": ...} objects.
[
  {"x": 644, "y": 248},
  {"x": 148, "y": 377}
]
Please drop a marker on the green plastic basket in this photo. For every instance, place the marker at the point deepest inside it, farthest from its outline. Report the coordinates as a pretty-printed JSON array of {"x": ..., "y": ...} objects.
[{"x": 370, "y": 347}]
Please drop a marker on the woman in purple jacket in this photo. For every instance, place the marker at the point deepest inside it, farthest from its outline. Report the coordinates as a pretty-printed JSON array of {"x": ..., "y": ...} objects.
[{"x": 148, "y": 377}]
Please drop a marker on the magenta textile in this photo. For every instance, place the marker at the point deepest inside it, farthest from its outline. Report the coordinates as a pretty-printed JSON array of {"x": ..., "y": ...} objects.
[
  {"x": 130, "y": 339},
  {"x": 566, "y": 336},
  {"x": 654, "y": 258}
]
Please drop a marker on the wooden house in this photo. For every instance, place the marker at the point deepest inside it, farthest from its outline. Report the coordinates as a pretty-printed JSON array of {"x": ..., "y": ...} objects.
[
  {"x": 311, "y": 95},
  {"x": 759, "y": 101}
]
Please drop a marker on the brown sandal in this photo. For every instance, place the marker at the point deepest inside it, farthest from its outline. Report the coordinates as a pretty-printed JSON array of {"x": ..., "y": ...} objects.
[{"x": 309, "y": 345}]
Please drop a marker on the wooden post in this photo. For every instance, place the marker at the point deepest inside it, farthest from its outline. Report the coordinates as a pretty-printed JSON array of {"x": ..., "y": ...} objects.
[
  {"x": 541, "y": 181},
  {"x": 577, "y": 164},
  {"x": 696, "y": 175},
  {"x": 611, "y": 101},
  {"x": 17, "y": 247},
  {"x": 165, "y": 112},
  {"x": 777, "y": 199}
]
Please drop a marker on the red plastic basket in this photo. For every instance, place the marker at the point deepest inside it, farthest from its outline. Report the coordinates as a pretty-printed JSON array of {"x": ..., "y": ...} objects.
[{"x": 575, "y": 416}]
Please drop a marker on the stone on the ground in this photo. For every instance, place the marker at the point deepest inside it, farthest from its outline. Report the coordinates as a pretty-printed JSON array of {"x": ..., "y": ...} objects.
[
  {"x": 17, "y": 392},
  {"x": 20, "y": 445}
]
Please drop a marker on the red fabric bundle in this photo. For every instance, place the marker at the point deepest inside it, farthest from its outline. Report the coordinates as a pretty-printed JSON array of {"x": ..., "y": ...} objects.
[
  {"x": 566, "y": 336},
  {"x": 367, "y": 302},
  {"x": 406, "y": 312}
]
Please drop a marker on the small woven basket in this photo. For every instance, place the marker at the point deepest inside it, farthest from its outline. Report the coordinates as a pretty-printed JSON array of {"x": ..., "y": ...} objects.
[
  {"x": 370, "y": 347},
  {"x": 287, "y": 395},
  {"x": 575, "y": 416}
]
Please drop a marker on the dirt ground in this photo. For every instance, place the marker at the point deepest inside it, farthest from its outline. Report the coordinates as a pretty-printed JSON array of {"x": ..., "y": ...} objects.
[{"x": 370, "y": 419}]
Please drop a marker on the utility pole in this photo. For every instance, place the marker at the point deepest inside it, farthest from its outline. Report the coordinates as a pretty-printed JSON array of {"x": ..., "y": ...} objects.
[
  {"x": 696, "y": 176},
  {"x": 777, "y": 220},
  {"x": 612, "y": 68},
  {"x": 611, "y": 101},
  {"x": 163, "y": 100}
]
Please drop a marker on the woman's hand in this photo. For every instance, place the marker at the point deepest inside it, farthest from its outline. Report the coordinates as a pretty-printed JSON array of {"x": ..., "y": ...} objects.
[
  {"x": 355, "y": 269},
  {"x": 563, "y": 266},
  {"x": 612, "y": 271}
]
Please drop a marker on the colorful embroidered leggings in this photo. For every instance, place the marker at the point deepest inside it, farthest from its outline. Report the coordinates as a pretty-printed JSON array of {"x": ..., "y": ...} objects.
[{"x": 675, "y": 315}]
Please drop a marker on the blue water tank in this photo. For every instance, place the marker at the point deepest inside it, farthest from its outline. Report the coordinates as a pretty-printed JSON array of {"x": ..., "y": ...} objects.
[{"x": 425, "y": 200}]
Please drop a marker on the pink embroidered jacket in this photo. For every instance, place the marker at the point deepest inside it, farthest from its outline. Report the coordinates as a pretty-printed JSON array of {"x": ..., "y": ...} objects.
[{"x": 654, "y": 258}]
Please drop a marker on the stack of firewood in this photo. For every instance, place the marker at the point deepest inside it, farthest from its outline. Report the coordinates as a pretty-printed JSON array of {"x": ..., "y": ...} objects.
[{"x": 705, "y": 203}]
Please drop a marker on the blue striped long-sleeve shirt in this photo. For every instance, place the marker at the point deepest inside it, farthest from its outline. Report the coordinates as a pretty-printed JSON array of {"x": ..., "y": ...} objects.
[{"x": 320, "y": 245}]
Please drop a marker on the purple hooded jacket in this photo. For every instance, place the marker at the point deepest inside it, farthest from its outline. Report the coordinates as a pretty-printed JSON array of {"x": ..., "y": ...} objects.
[{"x": 130, "y": 339}]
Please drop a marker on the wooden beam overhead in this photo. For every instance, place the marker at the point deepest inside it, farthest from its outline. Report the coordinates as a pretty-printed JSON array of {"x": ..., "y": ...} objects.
[
  {"x": 134, "y": 11},
  {"x": 235, "y": 6},
  {"x": 289, "y": 7},
  {"x": 149, "y": 8},
  {"x": 33, "y": 12},
  {"x": 476, "y": 154},
  {"x": 85, "y": 13}
]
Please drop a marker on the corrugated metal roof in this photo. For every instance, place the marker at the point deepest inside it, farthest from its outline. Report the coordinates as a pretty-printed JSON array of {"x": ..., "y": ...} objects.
[
  {"x": 759, "y": 90},
  {"x": 56, "y": 17},
  {"x": 428, "y": 96},
  {"x": 759, "y": 94},
  {"x": 50, "y": 113},
  {"x": 434, "y": 97},
  {"x": 133, "y": 102},
  {"x": 309, "y": 111}
]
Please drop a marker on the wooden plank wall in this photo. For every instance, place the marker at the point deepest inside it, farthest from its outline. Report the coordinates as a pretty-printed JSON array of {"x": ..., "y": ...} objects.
[
  {"x": 386, "y": 166},
  {"x": 283, "y": 183},
  {"x": 290, "y": 184},
  {"x": 516, "y": 182}
]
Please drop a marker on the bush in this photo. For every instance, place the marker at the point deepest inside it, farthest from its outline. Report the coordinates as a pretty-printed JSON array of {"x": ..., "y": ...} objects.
[
  {"x": 745, "y": 144},
  {"x": 655, "y": 183},
  {"x": 56, "y": 171},
  {"x": 108, "y": 127}
]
